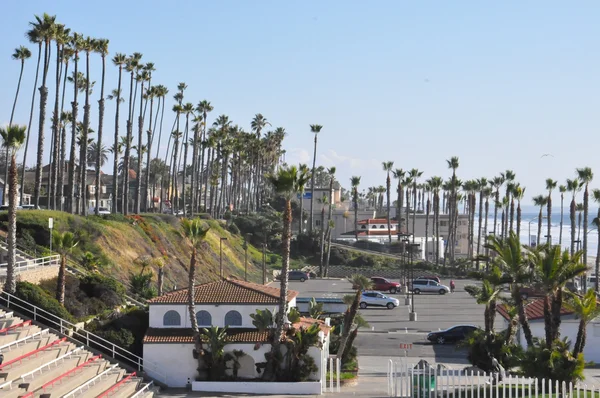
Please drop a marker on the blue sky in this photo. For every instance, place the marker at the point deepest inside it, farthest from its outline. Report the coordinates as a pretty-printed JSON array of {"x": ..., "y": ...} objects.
[{"x": 496, "y": 83}]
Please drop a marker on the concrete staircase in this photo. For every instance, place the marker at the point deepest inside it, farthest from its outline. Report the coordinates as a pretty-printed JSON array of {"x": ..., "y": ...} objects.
[{"x": 38, "y": 363}]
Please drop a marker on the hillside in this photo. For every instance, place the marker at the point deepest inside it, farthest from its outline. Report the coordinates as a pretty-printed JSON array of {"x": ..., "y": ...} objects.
[{"x": 117, "y": 241}]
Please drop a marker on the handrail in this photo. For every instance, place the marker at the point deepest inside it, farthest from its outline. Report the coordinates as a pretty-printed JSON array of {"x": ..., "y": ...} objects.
[
  {"x": 116, "y": 386},
  {"x": 5, "y": 346},
  {"x": 141, "y": 390},
  {"x": 68, "y": 354},
  {"x": 18, "y": 325},
  {"x": 6, "y": 315},
  {"x": 89, "y": 382},
  {"x": 20, "y": 358},
  {"x": 90, "y": 339},
  {"x": 68, "y": 372}
]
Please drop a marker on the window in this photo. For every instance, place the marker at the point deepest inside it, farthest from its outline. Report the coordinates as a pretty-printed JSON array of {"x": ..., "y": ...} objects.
[
  {"x": 443, "y": 223},
  {"x": 382, "y": 226},
  {"x": 233, "y": 318},
  {"x": 363, "y": 227},
  {"x": 203, "y": 318},
  {"x": 318, "y": 223},
  {"x": 172, "y": 318}
]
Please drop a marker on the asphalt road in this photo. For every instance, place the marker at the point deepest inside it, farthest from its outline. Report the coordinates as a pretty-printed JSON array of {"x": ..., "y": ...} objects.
[{"x": 389, "y": 328}]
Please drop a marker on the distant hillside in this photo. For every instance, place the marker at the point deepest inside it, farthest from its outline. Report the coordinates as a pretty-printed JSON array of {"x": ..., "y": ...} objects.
[{"x": 117, "y": 241}]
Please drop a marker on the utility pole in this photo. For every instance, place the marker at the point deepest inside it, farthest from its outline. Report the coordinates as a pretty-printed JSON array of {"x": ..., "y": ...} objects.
[
  {"x": 246, "y": 257},
  {"x": 264, "y": 264}
]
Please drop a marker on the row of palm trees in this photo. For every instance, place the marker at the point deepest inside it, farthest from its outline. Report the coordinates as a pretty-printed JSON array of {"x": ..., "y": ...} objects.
[{"x": 225, "y": 165}]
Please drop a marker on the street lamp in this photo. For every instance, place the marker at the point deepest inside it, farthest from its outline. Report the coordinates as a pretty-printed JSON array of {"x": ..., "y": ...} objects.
[
  {"x": 405, "y": 241},
  {"x": 413, "y": 314},
  {"x": 221, "y": 255},
  {"x": 50, "y": 226},
  {"x": 530, "y": 221}
]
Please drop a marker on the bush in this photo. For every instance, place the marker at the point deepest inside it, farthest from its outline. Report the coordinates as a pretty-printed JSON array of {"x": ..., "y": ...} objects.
[
  {"x": 339, "y": 256},
  {"x": 115, "y": 217},
  {"x": 232, "y": 228},
  {"x": 555, "y": 363},
  {"x": 127, "y": 328},
  {"x": 363, "y": 261},
  {"x": 36, "y": 296},
  {"x": 481, "y": 350},
  {"x": 108, "y": 289}
]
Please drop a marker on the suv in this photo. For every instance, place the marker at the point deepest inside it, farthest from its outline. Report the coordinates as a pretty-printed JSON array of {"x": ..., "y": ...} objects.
[
  {"x": 376, "y": 299},
  {"x": 296, "y": 276},
  {"x": 428, "y": 286},
  {"x": 429, "y": 277},
  {"x": 385, "y": 285}
]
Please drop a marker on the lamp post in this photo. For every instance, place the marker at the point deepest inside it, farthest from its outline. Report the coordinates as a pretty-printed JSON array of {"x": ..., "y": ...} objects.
[
  {"x": 413, "y": 314},
  {"x": 50, "y": 226},
  {"x": 221, "y": 255},
  {"x": 530, "y": 221},
  {"x": 405, "y": 241}
]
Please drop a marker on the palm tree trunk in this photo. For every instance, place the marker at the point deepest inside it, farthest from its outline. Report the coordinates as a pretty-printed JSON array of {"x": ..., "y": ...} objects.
[
  {"x": 522, "y": 316},
  {"x": 150, "y": 137},
  {"x": 322, "y": 248},
  {"x": 115, "y": 183},
  {"x": 11, "y": 281},
  {"x": 548, "y": 320},
  {"x": 194, "y": 165},
  {"x": 585, "y": 223},
  {"x": 485, "y": 227},
  {"x": 161, "y": 280},
  {"x": 562, "y": 201},
  {"x": 539, "y": 232},
  {"x": 496, "y": 199},
  {"x": 556, "y": 305},
  {"x": 60, "y": 286},
  {"x": 437, "y": 226},
  {"x": 572, "y": 217},
  {"x": 99, "y": 153},
  {"x": 140, "y": 154},
  {"x": 84, "y": 139},
  {"x": 479, "y": 226},
  {"x": 512, "y": 213},
  {"x": 581, "y": 337},
  {"x": 427, "y": 207},
  {"x": 519, "y": 219},
  {"x": 414, "y": 212},
  {"x": 597, "y": 264},
  {"x": 328, "y": 252},
  {"x": 312, "y": 185},
  {"x": 12, "y": 114},
  {"x": 55, "y": 147},
  {"x": 549, "y": 220},
  {"x": 192, "y": 307},
  {"x": 63, "y": 144},
  {"x": 389, "y": 223},
  {"x": 399, "y": 205},
  {"x": 355, "y": 194},
  {"x": 125, "y": 189},
  {"x": 42, "y": 121},
  {"x": 71, "y": 185}
]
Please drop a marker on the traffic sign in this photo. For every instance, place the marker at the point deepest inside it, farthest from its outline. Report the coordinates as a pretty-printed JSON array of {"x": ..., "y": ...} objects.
[{"x": 406, "y": 346}]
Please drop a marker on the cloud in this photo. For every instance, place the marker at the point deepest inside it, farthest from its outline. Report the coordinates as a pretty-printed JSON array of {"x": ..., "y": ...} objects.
[
  {"x": 297, "y": 156},
  {"x": 332, "y": 158}
]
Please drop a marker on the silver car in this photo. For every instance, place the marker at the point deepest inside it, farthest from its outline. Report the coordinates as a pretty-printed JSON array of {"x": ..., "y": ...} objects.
[
  {"x": 377, "y": 299},
  {"x": 428, "y": 286}
]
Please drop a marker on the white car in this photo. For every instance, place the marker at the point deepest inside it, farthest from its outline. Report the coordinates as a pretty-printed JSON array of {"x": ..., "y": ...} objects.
[
  {"x": 103, "y": 210},
  {"x": 377, "y": 299}
]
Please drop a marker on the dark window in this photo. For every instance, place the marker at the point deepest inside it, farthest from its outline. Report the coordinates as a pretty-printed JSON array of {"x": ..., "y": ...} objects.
[
  {"x": 204, "y": 318},
  {"x": 172, "y": 318},
  {"x": 233, "y": 318}
]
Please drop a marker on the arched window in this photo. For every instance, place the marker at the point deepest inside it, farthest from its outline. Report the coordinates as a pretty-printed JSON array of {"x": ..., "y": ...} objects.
[
  {"x": 233, "y": 318},
  {"x": 382, "y": 226},
  {"x": 203, "y": 318},
  {"x": 172, "y": 318},
  {"x": 363, "y": 227}
]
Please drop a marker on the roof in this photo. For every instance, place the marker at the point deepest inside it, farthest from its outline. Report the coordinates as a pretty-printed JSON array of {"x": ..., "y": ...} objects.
[
  {"x": 377, "y": 221},
  {"x": 227, "y": 291},
  {"x": 185, "y": 335},
  {"x": 534, "y": 310},
  {"x": 307, "y": 322}
]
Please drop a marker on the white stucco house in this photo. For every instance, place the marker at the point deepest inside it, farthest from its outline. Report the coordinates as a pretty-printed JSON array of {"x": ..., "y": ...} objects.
[
  {"x": 569, "y": 325},
  {"x": 169, "y": 340}
]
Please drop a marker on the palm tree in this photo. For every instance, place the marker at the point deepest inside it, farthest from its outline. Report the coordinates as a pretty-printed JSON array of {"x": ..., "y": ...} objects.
[
  {"x": 13, "y": 137},
  {"x": 286, "y": 183},
  {"x": 120, "y": 61},
  {"x": 258, "y": 123},
  {"x": 63, "y": 243},
  {"x": 540, "y": 201},
  {"x": 496, "y": 183},
  {"x": 586, "y": 309},
  {"x": 88, "y": 46},
  {"x": 573, "y": 186},
  {"x": 354, "y": 182},
  {"x": 303, "y": 169},
  {"x": 205, "y": 108},
  {"x": 399, "y": 175},
  {"x": 513, "y": 262},
  {"x": 519, "y": 194},
  {"x": 360, "y": 283},
  {"x": 562, "y": 189},
  {"x": 97, "y": 154},
  {"x": 387, "y": 167},
  {"x": 427, "y": 190},
  {"x": 550, "y": 185},
  {"x": 487, "y": 295},
  {"x": 160, "y": 264},
  {"x": 143, "y": 76},
  {"x": 316, "y": 129},
  {"x": 481, "y": 186},
  {"x": 453, "y": 164},
  {"x": 21, "y": 54},
  {"x": 436, "y": 183},
  {"x": 77, "y": 45},
  {"x": 195, "y": 231},
  {"x": 585, "y": 175},
  {"x": 101, "y": 47},
  {"x": 331, "y": 171},
  {"x": 509, "y": 177},
  {"x": 414, "y": 174},
  {"x": 596, "y": 198},
  {"x": 46, "y": 28},
  {"x": 132, "y": 65}
]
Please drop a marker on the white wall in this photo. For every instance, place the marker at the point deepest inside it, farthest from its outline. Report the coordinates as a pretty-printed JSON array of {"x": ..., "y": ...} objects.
[{"x": 176, "y": 360}]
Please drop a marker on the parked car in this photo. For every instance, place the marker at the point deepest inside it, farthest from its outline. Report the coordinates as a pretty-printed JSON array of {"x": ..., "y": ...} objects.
[
  {"x": 591, "y": 281},
  {"x": 30, "y": 207},
  {"x": 297, "y": 276},
  {"x": 530, "y": 291},
  {"x": 103, "y": 210},
  {"x": 429, "y": 277},
  {"x": 419, "y": 286},
  {"x": 451, "y": 335},
  {"x": 383, "y": 284},
  {"x": 370, "y": 298}
]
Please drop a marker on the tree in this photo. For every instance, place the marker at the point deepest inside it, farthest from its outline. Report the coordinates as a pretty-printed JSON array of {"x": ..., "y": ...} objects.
[
  {"x": 550, "y": 185},
  {"x": 360, "y": 283},
  {"x": 118, "y": 60},
  {"x": 519, "y": 194},
  {"x": 97, "y": 154},
  {"x": 562, "y": 189},
  {"x": 495, "y": 184},
  {"x": 585, "y": 175},
  {"x": 160, "y": 264},
  {"x": 303, "y": 169},
  {"x": 63, "y": 243},
  {"x": 101, "y": 47},
  {"x": 387, "y": 167},
  {"x": 142, "y": 77},
  {"x": 316, "y": 129},
  {"x": 487, "y": 295},
  {"x": 355, "y": 181},
  {"x": 573, "y": 186},
  {"x": 414, "y": 174},
  {"x": 453, "y": 164},
  {"x": 586, "y": 309},
  {"x": 327, "y": 235},
  {"x": 399, "y": 175},
  {"x": 596, "y": 198},
  {"x": 287, "y": 183},
  {"x": 481, "y": 186},
  {"x": 132, "y": 65},
  {"x": 195, "y": 232},
  {"x": 540, "y": 201},
  {"x": 13, "y": 137},
  {"x": 21, "y": 54}
]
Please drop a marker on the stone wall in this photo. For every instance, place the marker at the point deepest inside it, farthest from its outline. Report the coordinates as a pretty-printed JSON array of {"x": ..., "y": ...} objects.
[{"x": 35, "y": 275}]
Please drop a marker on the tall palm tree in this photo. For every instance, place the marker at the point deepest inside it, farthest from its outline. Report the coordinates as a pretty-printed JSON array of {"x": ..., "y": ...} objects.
[
  {"x": 88, "y": 47},
  {"x": 316, "y": 129},
  {"x": 585, "y": 175},
  {"x": 487, "y": 295},
  {"x": 550, "y": 185},
  {"x": 573, "y": 186},
  {"x": 519, "y": 194},
  {"x": 540, "y": 201},
  {"x": 258, "y": 123},
  {"x": 496, "y": 183},
  {"x": 21, "y": 54},
  {"x": 142, "y": 77},
  {"x": 46, "y": 28},
  {"x": 331, "y": 171},
  {"x": 427, "y": 189},
  {"x": 399, "y": 175},
  {"x": 205, "y": 108},
  {"x": 13, "y": 137},
  {"x": 77, "y": 45},
  {"x": 436, "y": 183},
  {"x": 101, "y": 47},
  {"x": 586, "y": 309},
  {"x": 195, "y": 232},
  {"x": 286, "y": 183},
  {"x": 132, "y": 65},
  {"x": 361, "y": 283},
  {"x": 414, "y": 175},
  {"x": 562, "y": 189},
  {"x": 509, "y": 177},
  {"x": 354, "y": 182},
  {"x": 303, "y": 169},
  {"x": 387, "y": 167},
  {"x": 63, "y": 243},
  {"x": 481, "y": 186},
  {"x": 120, "y": 61},
  {"x": 596, "y": 198},
  {"x": 453, "y": 163}
]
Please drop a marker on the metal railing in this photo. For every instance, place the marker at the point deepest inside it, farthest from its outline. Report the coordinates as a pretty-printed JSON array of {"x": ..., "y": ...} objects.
[
  {"x": 24, "y": 339},
  {"x": 25, "y": 265},
  {"x": 142, "y": 391},
  {"x": 91, "y": 340},
  {"x": 90, "y": 383}
]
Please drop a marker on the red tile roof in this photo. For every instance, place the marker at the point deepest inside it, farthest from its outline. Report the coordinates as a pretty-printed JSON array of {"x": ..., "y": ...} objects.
[
  {"x": 184, "y": 335},
  {"x": 377, "y": 221},
  {"x": 534, "y": 310},
  {"x": 227, "y": 291},
  {"x": 308, "y": 322}
]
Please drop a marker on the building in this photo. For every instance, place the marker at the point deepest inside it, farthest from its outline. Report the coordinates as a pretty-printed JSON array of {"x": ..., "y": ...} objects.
[
  {"x": 224, "y": 303},
  {"x": 534, "y": 310}
]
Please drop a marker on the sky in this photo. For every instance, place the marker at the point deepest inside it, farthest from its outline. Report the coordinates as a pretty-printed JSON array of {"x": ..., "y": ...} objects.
[{"x": 497, "y": 84}]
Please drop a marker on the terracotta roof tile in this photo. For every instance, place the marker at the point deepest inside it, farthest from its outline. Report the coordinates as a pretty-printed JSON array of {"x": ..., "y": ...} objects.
[
  {"x": 534, "y": 310},
  {"x": 308, "y": 322},
  {"x": 227, "y": 291},
  {"x": 184, "y": 335}
]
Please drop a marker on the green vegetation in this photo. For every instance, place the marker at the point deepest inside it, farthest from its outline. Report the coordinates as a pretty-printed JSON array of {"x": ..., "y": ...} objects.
[{"x": 38, "y": 297}]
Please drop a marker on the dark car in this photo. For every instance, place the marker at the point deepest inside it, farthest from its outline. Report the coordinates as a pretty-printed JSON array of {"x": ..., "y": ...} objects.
[
  {"x": 297, "y": 276},
  {"x": 451, "y": 335},
  {"x": 528, "y": 291},
  {"x": 384, "y": 285}
]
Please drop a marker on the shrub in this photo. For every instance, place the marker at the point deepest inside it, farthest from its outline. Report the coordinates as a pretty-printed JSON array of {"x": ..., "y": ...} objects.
[
  {"x": 555, "y": 363},
  {"x": 115, "y": 217},
  {"x": 108, "y": 289},
  {"x": 232, "y": 228},
  {"x": 36, "y": 296},
  {"x": 363, "y": 261},
  {"x": 339, "y": 256}
]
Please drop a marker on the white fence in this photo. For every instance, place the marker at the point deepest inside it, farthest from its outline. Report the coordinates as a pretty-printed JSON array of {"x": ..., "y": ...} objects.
[
  {"x": 330, "y": 371},
  {"x": 29, "y": 264},
  {"x": 438, "y": 381}
]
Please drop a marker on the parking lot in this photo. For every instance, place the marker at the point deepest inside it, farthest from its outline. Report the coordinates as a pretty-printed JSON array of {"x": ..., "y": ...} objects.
[{"x": 390, "y": 328}]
